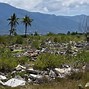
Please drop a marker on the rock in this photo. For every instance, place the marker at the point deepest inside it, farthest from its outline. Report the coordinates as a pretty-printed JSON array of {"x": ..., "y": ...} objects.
[
  {"x": 29, "y": 80},
  {"x": 75, "y": 70},
  {"x": 1, "y": 82},
  {"x": 87, "y": 84},
  {"x": 87, "y": 67},
  {"x": 15, "y": 82},
  {"x": 52, "y": 74},
  {"x": 2, "y": 77},
  {"x": 32, "y": 71},
  {"x": 36, "y": 78},
  {"x": 62, "y": 72},
  {"x": 19, "y": 67},
  {"x": 80, "y": 86}
]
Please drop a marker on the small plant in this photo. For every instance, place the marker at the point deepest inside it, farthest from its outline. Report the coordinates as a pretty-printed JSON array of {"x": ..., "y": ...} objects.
[{"x": 47, "y": 60}]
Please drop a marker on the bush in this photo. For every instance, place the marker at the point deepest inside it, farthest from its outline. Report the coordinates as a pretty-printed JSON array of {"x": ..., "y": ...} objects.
[
  {"x": 19, "y": 40},
  {"x": 22, "y": 60},
  {"x": 7, "y": 61},
  {"x": 7, "y": 65},
  {"x": 36, "y": 44},
  {"x": 47, "y": 60}
]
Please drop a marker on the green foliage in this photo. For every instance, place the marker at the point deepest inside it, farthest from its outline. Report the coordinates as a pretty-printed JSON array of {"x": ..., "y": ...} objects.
[
  {"x": 36, "y": 44},
  {"x": 22, "y": 60},
  {"x": 47, "y": 60},
  {"x": 7, "y": 61},
  {"x": 50, "y": 34},
  {"x": 36, "y": 34},
  {"x": 7, "y": 64},
  {"x": 27, "y": 22},
  {"x": 82, "y": 56},
  {"x": 13, "y": 21},
  {"x": 19, "y": 40}
]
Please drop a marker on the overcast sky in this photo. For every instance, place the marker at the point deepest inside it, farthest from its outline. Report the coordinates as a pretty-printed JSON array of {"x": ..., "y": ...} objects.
[{"x": 58, "y": 7}]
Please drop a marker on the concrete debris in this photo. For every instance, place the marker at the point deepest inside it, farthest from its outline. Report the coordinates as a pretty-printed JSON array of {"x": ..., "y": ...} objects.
[
  {"x": 32, "y": 71},
  {"x": 35, "y": 76},
  {"x": 52, "y": 74},
  {"x": 87, "y": 84},
  {"x": 2, "y": 77},
  {"x": 15, "y": 82},
  {"x": 63, "y": 70},
  {"x": 80, "y": 86},
  {"x": 19, "y": 67}
]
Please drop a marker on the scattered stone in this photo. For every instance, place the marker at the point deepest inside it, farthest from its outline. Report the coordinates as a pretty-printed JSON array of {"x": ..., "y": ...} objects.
[
  {"x": 32, "y": 71},
  {"x": 2, "y": 77},
  {"x": 15, "y": 82},
  {"x": 35, "y": 76},
  {"x": 87, "y": 84},
  {"x": 52, "y": 74},
  {"x": 19, "y": 67},
  {"x": 80, "y": 86}
]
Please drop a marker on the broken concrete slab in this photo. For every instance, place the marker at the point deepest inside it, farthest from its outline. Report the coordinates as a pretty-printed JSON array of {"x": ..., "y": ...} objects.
[
  {"x": 19, "y": 67},
  {"x": 35, "y": 76},
  {"x": 2, "y": 77},
  {"x": 15, "y": 82},
  {"x": 87, "y": 84}
]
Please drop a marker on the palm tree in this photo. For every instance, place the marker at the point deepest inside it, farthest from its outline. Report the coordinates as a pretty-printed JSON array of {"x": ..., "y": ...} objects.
[
  {"x": 27, "y": 22},
  {"x": 13, "y": 21}
]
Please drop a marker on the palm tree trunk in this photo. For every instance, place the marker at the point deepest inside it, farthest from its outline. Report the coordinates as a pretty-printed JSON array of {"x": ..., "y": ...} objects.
[
  {"x": 11, "y": 30},
  {"x": 25, "y": 30}
]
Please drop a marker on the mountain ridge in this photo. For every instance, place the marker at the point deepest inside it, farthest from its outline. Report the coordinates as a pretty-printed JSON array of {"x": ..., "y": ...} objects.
[{"x": 43, "y": 23}]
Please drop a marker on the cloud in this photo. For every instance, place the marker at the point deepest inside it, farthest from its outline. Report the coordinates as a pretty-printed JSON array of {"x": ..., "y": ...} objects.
[
  {"x": 58, "y": 7},
  {"x": 25, "y": 4}
]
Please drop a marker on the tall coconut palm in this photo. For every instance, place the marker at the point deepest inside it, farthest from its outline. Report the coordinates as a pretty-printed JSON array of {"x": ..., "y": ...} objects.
[
  {"x": 13, "y": 21},
  {"x": 27, "y": 22}
]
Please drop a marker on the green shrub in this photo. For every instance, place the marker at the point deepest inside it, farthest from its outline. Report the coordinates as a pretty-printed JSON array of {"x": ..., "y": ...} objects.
[
  {"x": 7, "y": 61},
  {"x": 7, "y": 65},
  {"x": 47, "y": 60},
  {"x": 36, "y": 44},
  {"x": 19, "y": 40},
  {"x": 22, "y": 60}
]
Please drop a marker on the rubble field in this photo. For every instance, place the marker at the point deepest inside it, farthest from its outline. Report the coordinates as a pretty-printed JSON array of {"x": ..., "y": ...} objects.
[{"x": 44, "y": 62}]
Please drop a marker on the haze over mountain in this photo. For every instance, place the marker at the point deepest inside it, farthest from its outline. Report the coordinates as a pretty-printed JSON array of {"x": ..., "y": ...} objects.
[{"x": 42, "y": 23}]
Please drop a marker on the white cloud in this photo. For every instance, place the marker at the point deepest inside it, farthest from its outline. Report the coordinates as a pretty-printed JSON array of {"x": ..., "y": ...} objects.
[
  {"x": 63, "y": 7},
  {"x": 25, "y": 4}
]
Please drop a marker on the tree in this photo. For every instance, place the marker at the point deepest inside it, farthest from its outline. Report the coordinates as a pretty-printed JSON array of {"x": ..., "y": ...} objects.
[
  {"x": 13, "y": 21},
  {"x": 27, "y": 22}
]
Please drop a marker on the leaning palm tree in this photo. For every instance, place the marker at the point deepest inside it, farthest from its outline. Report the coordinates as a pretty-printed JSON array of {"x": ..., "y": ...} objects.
[
  {"x": 27, "y": 22},
  {"x": 13, "y": 21}
]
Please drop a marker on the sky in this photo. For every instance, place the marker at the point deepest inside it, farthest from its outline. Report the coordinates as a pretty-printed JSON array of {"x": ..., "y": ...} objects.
[{"x": 57, "y": 7}]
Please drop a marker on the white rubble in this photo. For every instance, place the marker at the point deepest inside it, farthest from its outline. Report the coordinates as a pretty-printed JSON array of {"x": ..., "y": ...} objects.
[
  {"x": 87, "y": 84},
  {"x": 14, "y": 82},
  {"x": 36, "y": 76},
  {"x": 63, "y": 70},
  {"x": 19, "y": 67},
  {"x": 52, "y": 74},
  {"x": 1, "y": 82},
  {"x": 2, "y": 77}
]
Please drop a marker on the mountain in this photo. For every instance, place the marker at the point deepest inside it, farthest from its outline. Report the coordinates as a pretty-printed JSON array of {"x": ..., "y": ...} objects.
[{"x": 42, "y": 23}]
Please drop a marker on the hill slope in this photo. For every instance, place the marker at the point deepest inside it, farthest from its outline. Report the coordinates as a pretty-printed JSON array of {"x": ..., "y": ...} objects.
[{"x": 42, "y": 23}]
